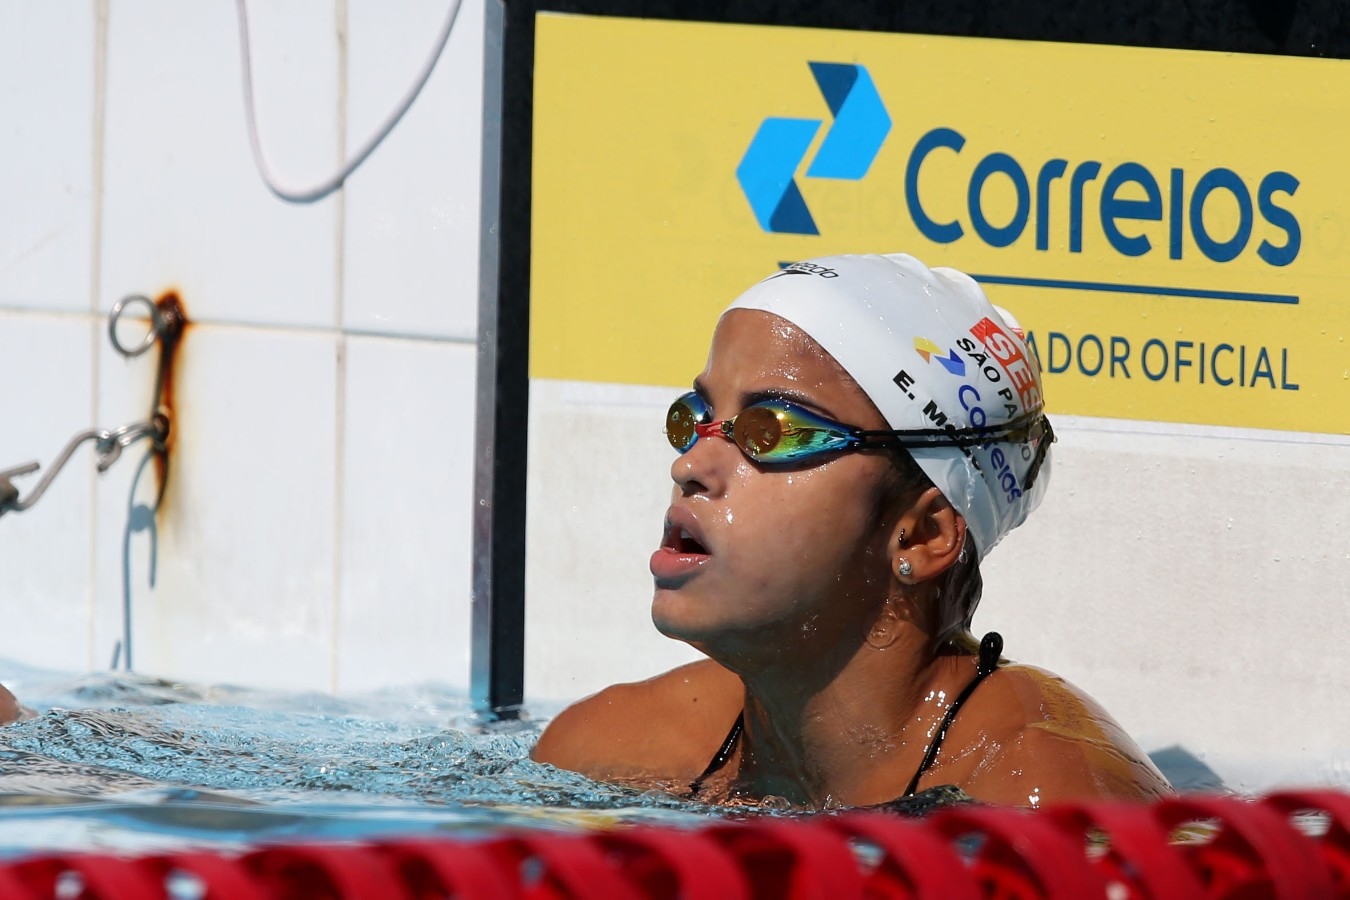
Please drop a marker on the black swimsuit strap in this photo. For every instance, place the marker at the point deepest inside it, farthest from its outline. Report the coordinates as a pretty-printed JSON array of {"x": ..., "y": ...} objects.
[
  {"x": 991, "y": 648},
  {"x": 723, "y": 754}
]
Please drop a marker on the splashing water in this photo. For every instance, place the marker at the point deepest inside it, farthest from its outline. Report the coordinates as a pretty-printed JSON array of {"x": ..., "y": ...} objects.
[{"x": 123, "y": 762}]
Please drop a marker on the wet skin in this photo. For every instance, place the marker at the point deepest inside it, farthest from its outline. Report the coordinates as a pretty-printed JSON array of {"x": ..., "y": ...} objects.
[
  {"x": 786, "y": 578},
  {"x": 9, "y": 707}
]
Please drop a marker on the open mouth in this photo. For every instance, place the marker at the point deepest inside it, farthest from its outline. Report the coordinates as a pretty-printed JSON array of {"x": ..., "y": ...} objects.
[
  {"x": 687, "y": 543},
  {"x": 682, "y": 553},
  {"x": 682, "y": 541}
]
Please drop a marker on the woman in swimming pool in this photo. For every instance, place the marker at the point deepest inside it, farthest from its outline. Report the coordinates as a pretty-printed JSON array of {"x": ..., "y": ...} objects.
[{"x": 830, "y": 571}]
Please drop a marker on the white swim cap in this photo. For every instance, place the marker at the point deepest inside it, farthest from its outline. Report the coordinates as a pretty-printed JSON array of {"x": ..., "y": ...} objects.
[{"x": 931, "y": 352}]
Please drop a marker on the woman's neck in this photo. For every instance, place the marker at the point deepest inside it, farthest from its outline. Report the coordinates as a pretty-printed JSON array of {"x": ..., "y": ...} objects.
[{"x": 851, "y": 740}]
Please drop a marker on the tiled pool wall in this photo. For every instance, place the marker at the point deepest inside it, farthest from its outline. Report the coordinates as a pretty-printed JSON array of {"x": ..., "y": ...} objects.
[{"x": 317, "y": 531}]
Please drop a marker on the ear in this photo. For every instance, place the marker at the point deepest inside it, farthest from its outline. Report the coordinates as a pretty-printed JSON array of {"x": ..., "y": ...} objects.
[{"x": 927, "y": 539}]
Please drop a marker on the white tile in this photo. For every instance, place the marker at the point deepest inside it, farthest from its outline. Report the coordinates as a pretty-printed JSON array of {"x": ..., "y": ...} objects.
[
  {"x": 45, "y": 550},
  {"x": 47, "y": 123},
  {"x": 243, "y": 591},
  {"x": 1176, "y": 580},
  {"x": 412, "y": 210},
  {"x": 407, "y": 513},
  {"x": 126, "y": 394},
  {"x": 183, "y": 203},
  {"x": 599, "y": 485}
]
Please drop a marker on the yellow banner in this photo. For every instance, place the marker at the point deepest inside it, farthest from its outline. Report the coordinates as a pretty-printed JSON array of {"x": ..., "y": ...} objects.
[{"x": 1170, "y": 227}]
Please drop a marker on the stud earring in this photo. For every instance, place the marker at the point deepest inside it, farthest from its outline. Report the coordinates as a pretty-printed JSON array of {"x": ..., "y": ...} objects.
[
  {"x": 903, "y": 568},
  {"x": 902, "y": 537}
]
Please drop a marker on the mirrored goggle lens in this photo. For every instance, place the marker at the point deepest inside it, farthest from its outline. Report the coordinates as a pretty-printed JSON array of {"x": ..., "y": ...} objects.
[
  {"x": 682, "y": 418},
  {"x": 779, "y": 432},
  {"x": 759, "y": 431}
]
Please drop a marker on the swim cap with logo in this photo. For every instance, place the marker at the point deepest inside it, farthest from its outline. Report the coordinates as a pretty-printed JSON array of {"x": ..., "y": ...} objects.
[{"x": 931, "y": 351}]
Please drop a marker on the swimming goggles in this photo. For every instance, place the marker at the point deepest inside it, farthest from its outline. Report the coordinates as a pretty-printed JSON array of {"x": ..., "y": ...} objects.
[{"x": 777, "y": 432}]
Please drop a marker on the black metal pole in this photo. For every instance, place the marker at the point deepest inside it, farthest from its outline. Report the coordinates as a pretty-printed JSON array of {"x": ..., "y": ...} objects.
[{"x": 497, "y": 661}]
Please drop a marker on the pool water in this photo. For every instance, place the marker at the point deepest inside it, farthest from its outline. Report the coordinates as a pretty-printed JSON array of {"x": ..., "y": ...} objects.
[{"x": 123, "y": 762}]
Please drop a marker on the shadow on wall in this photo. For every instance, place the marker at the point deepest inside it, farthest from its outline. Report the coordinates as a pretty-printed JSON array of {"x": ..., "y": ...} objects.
[{"x": 140, "y": 517}]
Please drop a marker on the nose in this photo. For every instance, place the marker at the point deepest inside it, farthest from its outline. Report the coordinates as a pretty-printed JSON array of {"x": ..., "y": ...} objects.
[{"x": 705, "y": 467}]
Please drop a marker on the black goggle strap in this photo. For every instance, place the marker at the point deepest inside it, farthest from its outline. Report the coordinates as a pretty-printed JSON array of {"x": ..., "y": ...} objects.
[
  {"x": 1045, "y": 437},
  {"x": 1032, "y": 426}
]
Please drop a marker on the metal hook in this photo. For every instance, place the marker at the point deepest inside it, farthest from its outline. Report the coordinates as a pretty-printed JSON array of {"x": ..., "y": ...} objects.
[
  {"x": 8, "y": 489},
  {"x": 112, "y": 443},
  {"x": 108, "y": 445},
  {"x": 158, "y": 326}
]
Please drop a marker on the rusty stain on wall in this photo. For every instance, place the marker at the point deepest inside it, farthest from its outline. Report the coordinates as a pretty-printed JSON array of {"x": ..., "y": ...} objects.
[{"x": 176, "y": 323}]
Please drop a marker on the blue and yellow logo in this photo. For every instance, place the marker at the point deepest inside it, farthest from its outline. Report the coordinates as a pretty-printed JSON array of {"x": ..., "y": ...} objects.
[
  {"x": 951, "y": 361},
  {"x": 768, "y": 170}
]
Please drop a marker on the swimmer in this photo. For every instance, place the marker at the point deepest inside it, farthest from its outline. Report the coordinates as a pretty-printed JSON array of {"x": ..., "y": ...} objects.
[{"x": 866, "y": 430}]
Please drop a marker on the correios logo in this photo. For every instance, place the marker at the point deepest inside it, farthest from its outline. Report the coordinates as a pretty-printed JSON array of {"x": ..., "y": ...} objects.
[
  {"x": 1124, "y": 206},
  {"x": 1177, "y": 198},
  {"x": 768, "y": 170}
]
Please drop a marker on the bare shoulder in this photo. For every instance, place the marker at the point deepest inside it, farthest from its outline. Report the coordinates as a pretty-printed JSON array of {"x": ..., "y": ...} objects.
[
  {"x": 664, "y": 728},
  {"x": 10, "y": 710},
  {"x": 1035, "y": 738}
]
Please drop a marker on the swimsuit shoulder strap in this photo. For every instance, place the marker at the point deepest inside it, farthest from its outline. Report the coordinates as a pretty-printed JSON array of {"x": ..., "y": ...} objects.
[
  {"x": 723, "y": 754},
  {"x": 991, "y": 647}
]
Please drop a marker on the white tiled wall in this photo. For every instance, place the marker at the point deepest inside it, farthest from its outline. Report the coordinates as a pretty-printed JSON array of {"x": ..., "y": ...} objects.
[
  {"x": 183, "y": 205},
  {"x": 45, "y": 584},
  {"x": 315, "y": 533},
  {"x": 406, "y": 502},
  {"x": 413, "y": 209},
  {"x": 245, "y": 587},
  {"x": 47, "y": 60}
]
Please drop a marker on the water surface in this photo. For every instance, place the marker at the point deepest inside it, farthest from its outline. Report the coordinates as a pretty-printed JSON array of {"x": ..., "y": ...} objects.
[{"x": 115, "y": 761}]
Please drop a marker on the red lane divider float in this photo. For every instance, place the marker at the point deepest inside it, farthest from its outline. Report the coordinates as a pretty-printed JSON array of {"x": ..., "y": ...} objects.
[{"x": 1294, "y": 844}]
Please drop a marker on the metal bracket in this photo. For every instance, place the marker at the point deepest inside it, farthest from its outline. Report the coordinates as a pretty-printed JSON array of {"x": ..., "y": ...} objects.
[{"x": 108, "y": 444}]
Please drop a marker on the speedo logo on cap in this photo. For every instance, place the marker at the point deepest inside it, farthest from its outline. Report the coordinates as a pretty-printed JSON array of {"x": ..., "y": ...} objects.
[
  {"x": 805, "y": 268},
  {"x": 1012, "y": 359}
]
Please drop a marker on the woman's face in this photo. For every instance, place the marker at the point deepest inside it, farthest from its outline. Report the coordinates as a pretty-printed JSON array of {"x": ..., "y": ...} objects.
[{"x": 759, "y": 564}]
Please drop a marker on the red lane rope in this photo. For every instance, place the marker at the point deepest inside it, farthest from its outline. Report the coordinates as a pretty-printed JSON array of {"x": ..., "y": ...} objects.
[
  {"x": 667, "y": 863},
  {"x": 1016, "y": 854},
  {"x": 1255, "y": 852},
  {"x": 916, "y": 861},
  {"x": 1292, "y": 844},
  {"x": 1334, "y": 844},
  {"x": 324, "y": 872},
  {"x": 435, "y": 869},
  {"x": 217, "y": 877},
  {"x": 1129, "y": 846}
]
